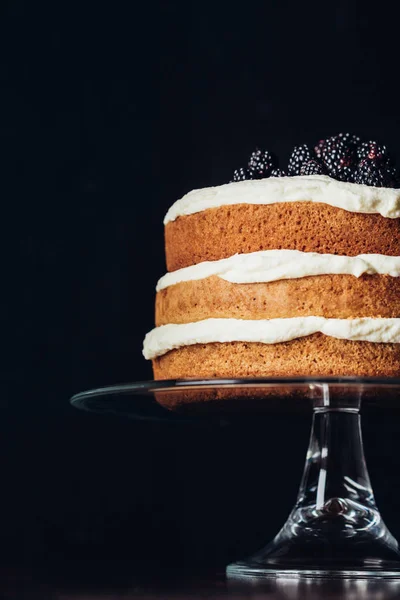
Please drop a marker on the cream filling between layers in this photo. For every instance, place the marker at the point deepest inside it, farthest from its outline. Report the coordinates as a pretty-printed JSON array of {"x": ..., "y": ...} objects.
[
  {"x": 352, "y": 197},
  {"x": 162, "y": 339},
  {"x": 272, "y": 265}
]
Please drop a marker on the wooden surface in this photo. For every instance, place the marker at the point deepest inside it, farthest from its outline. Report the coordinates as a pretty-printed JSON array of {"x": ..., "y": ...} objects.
[{"x": 29, "y": 584}]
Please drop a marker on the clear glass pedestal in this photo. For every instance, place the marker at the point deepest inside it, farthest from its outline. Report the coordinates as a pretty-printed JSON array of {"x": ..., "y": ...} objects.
[{"x": 335, "y": 528}]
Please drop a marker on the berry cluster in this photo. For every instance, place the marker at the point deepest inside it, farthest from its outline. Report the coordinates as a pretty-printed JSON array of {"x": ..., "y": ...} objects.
[{"x": 343, "y": 157}]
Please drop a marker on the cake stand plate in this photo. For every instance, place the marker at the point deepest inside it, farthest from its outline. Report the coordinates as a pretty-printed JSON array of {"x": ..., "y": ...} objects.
[{"x": 335, "y": 528}]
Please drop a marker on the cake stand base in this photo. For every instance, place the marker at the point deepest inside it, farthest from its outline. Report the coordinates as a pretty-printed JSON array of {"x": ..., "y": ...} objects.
[
  {"x": 368, "y": 558},
  {"x": 335, "y": 527},
  {"x": 245, "y": 571}
]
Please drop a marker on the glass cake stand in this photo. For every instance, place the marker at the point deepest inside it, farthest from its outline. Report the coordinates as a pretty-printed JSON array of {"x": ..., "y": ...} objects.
[{"x": 335, "y": 528}]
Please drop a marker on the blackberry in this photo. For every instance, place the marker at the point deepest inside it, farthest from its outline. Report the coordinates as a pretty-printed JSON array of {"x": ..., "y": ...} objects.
[
  {"x": 278, "y": 173},
  {"x": 242, "y": 174},
  {"x": 339, "y": 156},
  {"x": 344, "y": 174},
  {"x": 299, "y": 155},
  {"x": 370, "y": 172},
  {"x": 373, "y": 151},
  {"x": 348, "y": 140},
  {"x": 395, "y": 175},
  {"x": 351, "y": 139},
  {"x": 318, "y": 148},
  {"x": 312, "y": 167},
  {"x": 261, "y": 163}
]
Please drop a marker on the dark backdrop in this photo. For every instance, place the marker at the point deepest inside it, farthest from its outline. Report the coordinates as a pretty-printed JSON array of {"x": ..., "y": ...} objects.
[{"x": 108, "y": 114}]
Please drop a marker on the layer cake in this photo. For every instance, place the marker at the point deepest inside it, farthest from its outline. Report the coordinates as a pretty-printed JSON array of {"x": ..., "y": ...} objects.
[{"x": 282, "y": 276}]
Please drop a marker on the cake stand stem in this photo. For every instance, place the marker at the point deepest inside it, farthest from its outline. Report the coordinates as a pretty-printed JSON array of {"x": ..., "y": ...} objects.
[{"x": 335, "y": 526}]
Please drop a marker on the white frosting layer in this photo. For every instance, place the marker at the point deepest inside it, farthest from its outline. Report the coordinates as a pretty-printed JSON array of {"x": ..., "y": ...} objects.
[
  {"x": 267, "y": 331},
  {"x": 314, "y": 188},
  {"x": 271, "y": 265}
]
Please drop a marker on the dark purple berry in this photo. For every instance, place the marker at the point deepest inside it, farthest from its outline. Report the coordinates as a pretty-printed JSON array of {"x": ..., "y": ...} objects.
[
  {"x": 261, "y": 163},
  {"x": 312, "y": 167},
  {"x": 339, "y": 156},
  {"x": 394, "y": 174},
  {"x": 242, "y": 174},
  {"x": 318, "y": 148},
  {"x": 278, "y": 173},
  {"x": 299, "y": 155},
  {"x": 350, "y": 139},
  {"x": 344, "y": 174},
  {"x": 372, "y": 151},
  {"x": 336, "y": 153},
  {"x": 344, "y": 141},
  {"x": 371, "y": 172}
]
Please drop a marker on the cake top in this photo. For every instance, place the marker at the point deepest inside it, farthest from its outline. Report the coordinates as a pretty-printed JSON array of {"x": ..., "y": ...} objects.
[
  {"x": 353, "y": 197},
  {"x": 342, "y": 170}
]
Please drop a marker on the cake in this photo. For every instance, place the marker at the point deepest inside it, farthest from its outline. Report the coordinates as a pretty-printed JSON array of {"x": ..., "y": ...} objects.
[{"x": 281, "y": 276}]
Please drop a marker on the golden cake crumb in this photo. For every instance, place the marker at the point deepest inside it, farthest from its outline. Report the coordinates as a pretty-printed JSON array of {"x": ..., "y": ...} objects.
[{"x": 310, "y": 227}]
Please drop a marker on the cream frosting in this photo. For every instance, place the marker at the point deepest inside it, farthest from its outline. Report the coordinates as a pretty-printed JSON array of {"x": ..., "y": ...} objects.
[
  {"x": 162, "y": 339},
  {"x": 272, "y": 265},
  {"x": 314, "y": 188}
]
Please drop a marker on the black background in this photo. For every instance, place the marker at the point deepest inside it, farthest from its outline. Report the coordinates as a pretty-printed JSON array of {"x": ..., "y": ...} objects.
[{"x": 108, "y": 114}]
